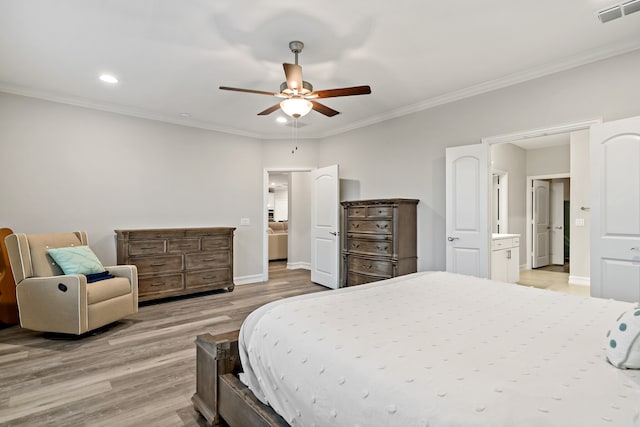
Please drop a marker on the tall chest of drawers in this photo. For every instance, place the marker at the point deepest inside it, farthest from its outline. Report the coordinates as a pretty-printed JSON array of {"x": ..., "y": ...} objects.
[
  {"x": 378, "y": 240},
  {"x": 178, "y": 261}
]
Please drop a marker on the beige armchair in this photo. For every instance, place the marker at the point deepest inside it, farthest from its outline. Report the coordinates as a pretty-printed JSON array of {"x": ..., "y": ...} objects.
[{"x": 51, "y": 301}]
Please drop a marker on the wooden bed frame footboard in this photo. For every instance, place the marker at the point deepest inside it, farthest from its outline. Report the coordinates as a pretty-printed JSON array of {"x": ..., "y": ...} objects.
[{"x": 220, "y": 396}]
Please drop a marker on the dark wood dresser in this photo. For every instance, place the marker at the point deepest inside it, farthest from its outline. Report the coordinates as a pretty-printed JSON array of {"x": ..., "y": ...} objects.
[
  {"x": 378, "y": 240},
  {"x": 178, "y": 261}
]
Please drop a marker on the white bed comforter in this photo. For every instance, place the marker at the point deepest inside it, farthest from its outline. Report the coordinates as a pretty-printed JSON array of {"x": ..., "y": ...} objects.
[{"x": 438, "y": 349}]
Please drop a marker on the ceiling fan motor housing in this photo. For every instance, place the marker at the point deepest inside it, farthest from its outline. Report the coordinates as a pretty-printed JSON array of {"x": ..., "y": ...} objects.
[{"x": 306, "y": 88}]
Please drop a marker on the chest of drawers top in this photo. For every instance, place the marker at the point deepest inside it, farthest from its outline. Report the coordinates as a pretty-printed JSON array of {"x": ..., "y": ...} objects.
[{"x": 149, "y": 242}]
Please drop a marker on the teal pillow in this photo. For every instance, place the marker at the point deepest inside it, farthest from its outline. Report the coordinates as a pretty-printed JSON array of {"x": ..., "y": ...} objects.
[{"x": 76, "y": 260}]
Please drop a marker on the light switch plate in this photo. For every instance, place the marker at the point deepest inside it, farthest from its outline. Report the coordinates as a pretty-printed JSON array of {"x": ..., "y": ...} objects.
[
  {"x": 245, "y": 221},
  {"x": 579, "y": 222}
]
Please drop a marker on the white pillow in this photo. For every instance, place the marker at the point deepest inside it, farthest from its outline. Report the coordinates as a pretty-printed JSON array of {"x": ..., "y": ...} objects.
[{"x": 623, "y": 341}]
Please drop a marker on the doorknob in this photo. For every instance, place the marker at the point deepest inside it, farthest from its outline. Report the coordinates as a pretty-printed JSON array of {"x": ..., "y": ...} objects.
[
  {"x": 559, "y": 228},
  {"x": 451, "y": 239},
  {"x": 333, "y": 233}
]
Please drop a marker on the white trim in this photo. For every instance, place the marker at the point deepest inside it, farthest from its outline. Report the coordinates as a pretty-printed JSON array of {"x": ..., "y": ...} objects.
[
  {"x": 491, "y": 85},
  {"x": 126, "y": 111},
  {"x": 535, "y": 133},
  {"x": 298, "y": 265},
  {"x": 579, "y": 281},
  {"x": 529, "y": 214},
  {"x": 245, "y": 280},
  {"x": 265, "y": 209}
]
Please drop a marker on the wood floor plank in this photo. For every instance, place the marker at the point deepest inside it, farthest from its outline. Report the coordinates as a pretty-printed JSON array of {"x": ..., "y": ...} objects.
[{"x": 138, "y": 371}]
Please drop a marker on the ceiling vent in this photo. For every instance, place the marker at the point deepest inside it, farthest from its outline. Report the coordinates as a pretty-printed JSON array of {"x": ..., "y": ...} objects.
[
  {"x": 610, "y": 14},
  {"x": 631, "y": 7},
  {"x": 617, "y": 11}
]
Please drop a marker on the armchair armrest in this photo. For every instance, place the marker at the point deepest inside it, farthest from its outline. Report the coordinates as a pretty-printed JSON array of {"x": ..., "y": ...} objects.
[
  {"x": 131, "y": 273},
  {"x": 55, "y": 300}
]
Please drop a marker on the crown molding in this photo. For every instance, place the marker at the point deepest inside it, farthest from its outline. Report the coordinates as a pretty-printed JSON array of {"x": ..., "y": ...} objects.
[
  {"x": 491, "y": 85},
  {"x": 119, "y": 109}
]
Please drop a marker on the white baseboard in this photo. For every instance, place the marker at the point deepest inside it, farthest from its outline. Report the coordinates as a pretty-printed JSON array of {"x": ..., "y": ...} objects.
[
  {"x": 580, "y": 281},
  {"x": 298, "y": 265},
  {"x": 245, "y": 280}
]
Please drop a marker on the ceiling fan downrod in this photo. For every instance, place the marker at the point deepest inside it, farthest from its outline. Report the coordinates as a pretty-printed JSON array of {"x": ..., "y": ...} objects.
[{"x": 296, "y": 47}]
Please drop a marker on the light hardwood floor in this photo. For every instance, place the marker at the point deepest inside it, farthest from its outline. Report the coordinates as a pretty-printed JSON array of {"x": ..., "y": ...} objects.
[
  {"x": 551, "y": 280},
  {"x": 138, "y": 372}
]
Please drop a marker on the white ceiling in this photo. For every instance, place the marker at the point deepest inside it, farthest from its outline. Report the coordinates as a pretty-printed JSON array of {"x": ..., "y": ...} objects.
[{"x": 170, "y": 56}]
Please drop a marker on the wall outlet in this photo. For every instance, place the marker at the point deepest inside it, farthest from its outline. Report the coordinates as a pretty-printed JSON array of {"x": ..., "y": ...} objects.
[
  {"x": 245, "y": 221},
  {"x": 579, "y": 222}
]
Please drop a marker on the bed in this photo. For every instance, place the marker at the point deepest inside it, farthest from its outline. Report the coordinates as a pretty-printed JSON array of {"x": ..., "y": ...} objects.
[{"x": 434, "y": 349}]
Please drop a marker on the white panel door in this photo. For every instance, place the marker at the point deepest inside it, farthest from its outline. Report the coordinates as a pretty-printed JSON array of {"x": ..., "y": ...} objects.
[
  {"x": 556, "y": 204},
  {"x": 615, "y": 210},
  {"x": 325, "y": 220},
  {"x": 540, "y": 221},
  {"x": 467, "y": 216}
]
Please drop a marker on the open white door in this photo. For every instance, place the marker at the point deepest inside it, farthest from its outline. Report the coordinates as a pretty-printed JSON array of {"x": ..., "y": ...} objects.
[
  {"x": 467, "y": 224},
  {"x": 540, "y": 221},
  {"x": 556, "y": 204},
  {"x": 615, "y": 210},
  {"x": 325, "y": 220}
]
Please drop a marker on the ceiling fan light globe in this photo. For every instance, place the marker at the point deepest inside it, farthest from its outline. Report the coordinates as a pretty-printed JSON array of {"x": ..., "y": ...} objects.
[{"x": 296, "y": 107}]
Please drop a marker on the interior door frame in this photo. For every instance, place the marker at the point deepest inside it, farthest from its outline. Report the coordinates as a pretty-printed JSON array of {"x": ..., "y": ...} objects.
[
  {"x": 265, "y": 214},
  {"x": 529, "y": 224},
  {"x": 556, "y": 207},
  {"x": 534, "y": 133}
]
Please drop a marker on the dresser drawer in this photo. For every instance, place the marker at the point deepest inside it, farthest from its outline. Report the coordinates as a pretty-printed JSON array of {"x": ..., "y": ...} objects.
[
  {"x": 160, "y": 283},
  {"x": 211, "y": 243},
  {"x": 146, "y": 247},
  {"x": 154, "y": 234},
  {"x": 370, "y": 247},
  {"x": 370, "y": 266},
  {"x": 380, "y": 211},
  {"x": 205, "y": 278},
  {"x": 357, "y": 212},
  {"x": 208, "y": 260},
  {"x": 354, "y": 279},
  {"x": 381, "y": 227},
  {"x": 160, "y": 264},
  {"x": 183, "y": 245}
]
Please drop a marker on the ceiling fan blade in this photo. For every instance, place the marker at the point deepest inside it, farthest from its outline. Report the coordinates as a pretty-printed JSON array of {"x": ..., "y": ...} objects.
[
  {"x": 259, "y": 92},
  {"x": 269, "y": 110},
  {"x": 323, "y": 109},
  {"x": 345, "y": 91},
  {"x": 293, "y": 73}
]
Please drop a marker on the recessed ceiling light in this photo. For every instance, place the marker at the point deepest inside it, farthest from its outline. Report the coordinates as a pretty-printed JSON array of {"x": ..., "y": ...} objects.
[
  {"x": 108, "y": 78},
  {"x": 185, "y": 114},
  {"x": 281, "y": 120}
]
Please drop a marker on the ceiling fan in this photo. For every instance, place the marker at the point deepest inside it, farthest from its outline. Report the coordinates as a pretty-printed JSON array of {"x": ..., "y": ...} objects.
[{"x": 299, "y": 96}]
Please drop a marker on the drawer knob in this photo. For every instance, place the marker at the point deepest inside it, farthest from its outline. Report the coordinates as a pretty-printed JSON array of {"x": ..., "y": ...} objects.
[
  {"x": 147, "y": 247},
  {"x": 158, "y": 264},
  {"x": 157, "y": 284},
  {"x": 355, "y": 245},
  {"x": 382, "y": 226},
  {"x": 356, "y": 225},
  {"x": 382, "y": 248}
]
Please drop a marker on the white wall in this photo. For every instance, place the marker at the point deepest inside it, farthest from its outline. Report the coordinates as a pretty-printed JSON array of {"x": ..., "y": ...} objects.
[
  {"x": 300, "y": 220},
  {"x": 548, "y": 161},
  {"x": 579, "y": 254},
  {"x": 65, "y": 168},
  {"x": 404, "y": 157},
  {"x": 512, "y": 159}
]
